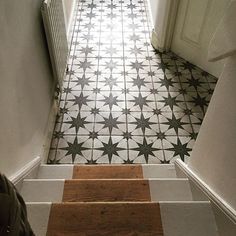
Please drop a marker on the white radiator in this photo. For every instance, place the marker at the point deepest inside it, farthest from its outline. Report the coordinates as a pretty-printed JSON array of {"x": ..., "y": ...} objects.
[{"x": 54, "y": 24}]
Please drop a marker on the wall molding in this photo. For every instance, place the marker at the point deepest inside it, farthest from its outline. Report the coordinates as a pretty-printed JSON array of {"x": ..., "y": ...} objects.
[
  {"x": 218, "y": 201},
  {"x": 25, "y": 171}
]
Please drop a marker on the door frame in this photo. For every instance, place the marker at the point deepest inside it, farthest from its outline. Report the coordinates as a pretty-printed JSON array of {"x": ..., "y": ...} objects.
[{"x": 162, "y": 34}]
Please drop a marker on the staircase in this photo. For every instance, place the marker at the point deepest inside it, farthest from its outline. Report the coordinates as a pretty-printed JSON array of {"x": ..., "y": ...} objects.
[{"x": 124, "y": 200}]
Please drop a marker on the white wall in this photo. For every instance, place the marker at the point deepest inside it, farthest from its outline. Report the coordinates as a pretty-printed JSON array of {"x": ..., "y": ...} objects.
[
  {"x": 26, "y": 84},
  {"x": 214, "y": 154}
]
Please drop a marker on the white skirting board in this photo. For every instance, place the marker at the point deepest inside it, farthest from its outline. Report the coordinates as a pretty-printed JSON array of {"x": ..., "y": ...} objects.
[
  {"x": 218, "y": 202},
  {"x": 30, "y": 170}
]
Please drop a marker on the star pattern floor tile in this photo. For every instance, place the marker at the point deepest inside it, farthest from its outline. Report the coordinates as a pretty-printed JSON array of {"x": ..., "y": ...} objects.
[{"x": 122, "y": 101}]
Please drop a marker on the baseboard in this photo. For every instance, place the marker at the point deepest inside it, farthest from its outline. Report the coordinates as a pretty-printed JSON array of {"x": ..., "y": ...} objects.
[
  {"x": 28, "y": 171},
  {"x": 218, "y": 202}
]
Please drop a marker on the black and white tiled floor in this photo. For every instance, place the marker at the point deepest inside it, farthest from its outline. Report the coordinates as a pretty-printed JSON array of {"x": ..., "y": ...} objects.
[{"x": 123, "y": 102}]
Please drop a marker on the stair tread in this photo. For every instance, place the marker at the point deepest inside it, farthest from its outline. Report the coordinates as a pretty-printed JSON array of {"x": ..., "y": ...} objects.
[
  {"x": 122, "y": 200},
  {"x": 105, "y": 219},
  {"x": 108, "y": 172},
  {"x": 106, "y": 190}
]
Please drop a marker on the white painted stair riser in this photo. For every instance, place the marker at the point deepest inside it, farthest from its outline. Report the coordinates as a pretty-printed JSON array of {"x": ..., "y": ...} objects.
[
  {"x": 188, "y": 219},
  {"x": 160, "y": 190},
  {"x": 66, "y": 171}
]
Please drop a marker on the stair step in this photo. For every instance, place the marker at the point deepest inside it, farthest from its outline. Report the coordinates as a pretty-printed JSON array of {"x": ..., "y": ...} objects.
[
  {"x": 106, "y": 190},
  {"x": 123, "y": 219},
  {"x": 106, "y": 171}
]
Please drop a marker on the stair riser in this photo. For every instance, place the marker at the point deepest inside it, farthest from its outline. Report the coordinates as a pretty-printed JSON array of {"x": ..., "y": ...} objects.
[
  {"x": 106, "y": 190},
  {"x": 106, "y": 172},
  {"x": 145, "y": 219}
]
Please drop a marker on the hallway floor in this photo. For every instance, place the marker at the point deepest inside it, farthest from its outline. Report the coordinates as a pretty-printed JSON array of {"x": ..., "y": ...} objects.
[{"x": 123, "y": 102}]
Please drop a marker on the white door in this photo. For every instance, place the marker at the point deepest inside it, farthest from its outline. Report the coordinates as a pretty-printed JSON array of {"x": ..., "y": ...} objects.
[{"x": 195, "y": 25}]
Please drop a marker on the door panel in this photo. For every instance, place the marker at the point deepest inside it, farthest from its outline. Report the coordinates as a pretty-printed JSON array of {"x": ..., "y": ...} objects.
[{"x": 195, "y": 25}]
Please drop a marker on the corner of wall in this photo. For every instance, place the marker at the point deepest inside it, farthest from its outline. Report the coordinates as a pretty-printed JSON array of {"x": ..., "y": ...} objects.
[
  {"x": 155, "y": 41},
  {"x": 49, "y": 130}
]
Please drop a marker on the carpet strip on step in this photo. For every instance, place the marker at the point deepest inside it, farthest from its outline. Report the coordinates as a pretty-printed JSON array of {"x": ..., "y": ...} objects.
[
  {"x": 108, "y": 172},
  {"x": 124, "y": 219},
  {"x": 106, "y": 190}
]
